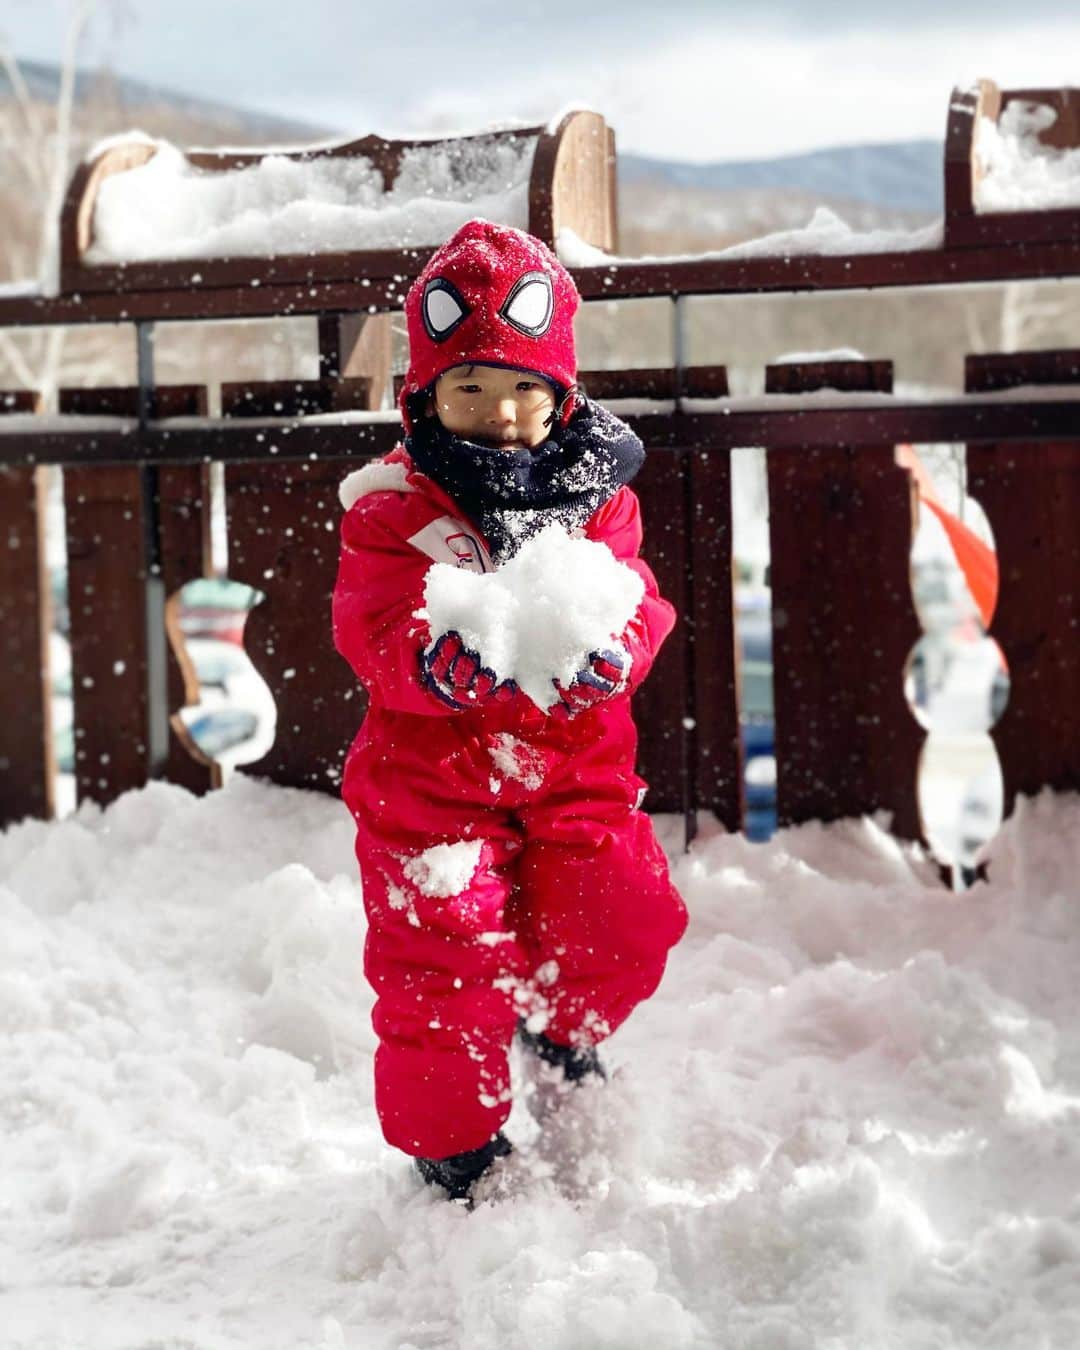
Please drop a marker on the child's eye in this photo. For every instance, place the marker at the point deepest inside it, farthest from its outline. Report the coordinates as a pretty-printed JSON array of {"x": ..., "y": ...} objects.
[
  {"x": 525, "y": 385},
  {"x": 469, "y": 388}
]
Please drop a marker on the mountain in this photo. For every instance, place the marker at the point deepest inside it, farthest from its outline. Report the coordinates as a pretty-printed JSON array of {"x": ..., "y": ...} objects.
[
  {"x": 43, "y": 83},
  {"x": 905, "y": 176},
  {"x": 901, "y": 177}
]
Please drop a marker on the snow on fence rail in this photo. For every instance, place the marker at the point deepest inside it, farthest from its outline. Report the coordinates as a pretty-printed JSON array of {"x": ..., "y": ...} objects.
[
  {"x": 842, "y": 522},
  {"x": 140, "y": 215},
  {"x": 1012, "y": 166}
]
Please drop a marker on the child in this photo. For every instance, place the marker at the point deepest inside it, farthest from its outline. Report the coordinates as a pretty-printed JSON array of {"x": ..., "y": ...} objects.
[{"x": 510, "y": 880}]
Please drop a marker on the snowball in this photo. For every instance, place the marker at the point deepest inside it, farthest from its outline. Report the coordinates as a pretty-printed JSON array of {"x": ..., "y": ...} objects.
[
  {"x": 445, "y": 869},
  {"x": 537, "y": 617}
]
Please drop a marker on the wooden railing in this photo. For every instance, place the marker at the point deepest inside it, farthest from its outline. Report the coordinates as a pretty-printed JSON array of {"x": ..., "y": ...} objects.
[
  {"x": 842, "y": 517},
  {"x": 841, "y": 522}
]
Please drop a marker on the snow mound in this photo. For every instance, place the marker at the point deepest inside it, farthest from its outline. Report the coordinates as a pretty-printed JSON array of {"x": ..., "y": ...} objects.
[
  {"x": 1019, "y": 172},
  {"x": 848, "y": 1117},
  {"x": 538, "y": 616}
]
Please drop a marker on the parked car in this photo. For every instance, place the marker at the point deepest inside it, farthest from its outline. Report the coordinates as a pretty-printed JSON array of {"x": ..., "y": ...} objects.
[
  {"x": 215, "y": 607},
  {"x": 979, "y": 818},
  {"x": 217, "y": 663},
  {"x": 234, "y": 720},
  {"x": 63, "y": 736},
  {"x": 222, "y": 729},
  {"x": 753, "y": 627},
  {"x": 63, "y": 731}
]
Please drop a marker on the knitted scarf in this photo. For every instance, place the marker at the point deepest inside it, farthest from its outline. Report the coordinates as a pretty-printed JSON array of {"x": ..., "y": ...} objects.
[{"x": 510, "y": 495}]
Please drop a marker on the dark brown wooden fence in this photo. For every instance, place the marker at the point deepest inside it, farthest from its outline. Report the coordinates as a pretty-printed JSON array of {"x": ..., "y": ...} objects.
[{"x": 842, "y": 519}]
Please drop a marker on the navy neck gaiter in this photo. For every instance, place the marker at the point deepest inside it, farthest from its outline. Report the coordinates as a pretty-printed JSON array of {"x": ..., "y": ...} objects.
[{"x": 510, "y": 495}]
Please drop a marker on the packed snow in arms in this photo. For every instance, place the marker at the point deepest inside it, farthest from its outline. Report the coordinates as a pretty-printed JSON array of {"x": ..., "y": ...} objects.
[
  {"x": 540, "y": 615},
  {"x": 169, "y": 209},
  {"x": 1020, "y": 172},
  {"x": 847, "y": 1118}
]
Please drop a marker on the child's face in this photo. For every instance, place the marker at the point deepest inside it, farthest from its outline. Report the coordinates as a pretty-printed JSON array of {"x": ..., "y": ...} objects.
[{"x": 495, "y": 405}]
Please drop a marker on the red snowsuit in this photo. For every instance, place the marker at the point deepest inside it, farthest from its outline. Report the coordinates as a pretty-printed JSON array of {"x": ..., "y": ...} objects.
[{"x": 569, "y": 911}]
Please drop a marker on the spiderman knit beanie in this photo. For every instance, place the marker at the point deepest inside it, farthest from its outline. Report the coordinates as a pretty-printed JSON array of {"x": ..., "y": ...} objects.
[{"x": 496, "y": 296}]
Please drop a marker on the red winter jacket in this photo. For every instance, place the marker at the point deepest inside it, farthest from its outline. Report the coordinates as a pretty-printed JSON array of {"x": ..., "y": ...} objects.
[{"x": 397, "y": 523}]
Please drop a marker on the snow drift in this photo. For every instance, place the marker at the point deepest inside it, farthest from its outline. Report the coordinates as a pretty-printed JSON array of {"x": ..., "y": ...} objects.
[{"x": 847, "y": 1118}]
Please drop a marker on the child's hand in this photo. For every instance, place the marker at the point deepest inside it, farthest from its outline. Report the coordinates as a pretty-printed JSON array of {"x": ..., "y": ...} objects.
[
  {"x": 456, "y": 674},
  {"x": 603, "y": 677}
]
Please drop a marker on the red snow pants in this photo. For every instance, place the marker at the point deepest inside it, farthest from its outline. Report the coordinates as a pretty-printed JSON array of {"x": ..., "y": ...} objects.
[{"x": 558, "y": 907}]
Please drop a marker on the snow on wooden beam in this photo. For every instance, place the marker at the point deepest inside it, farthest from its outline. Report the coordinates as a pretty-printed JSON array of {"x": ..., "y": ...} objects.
[
  {"x": 1012, "y": 166},
  {"x": 144, "y": 216}
]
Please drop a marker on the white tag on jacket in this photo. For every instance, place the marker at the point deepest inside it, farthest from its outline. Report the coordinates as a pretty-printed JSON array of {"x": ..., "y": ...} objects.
[{"x": 451, "y": 541}]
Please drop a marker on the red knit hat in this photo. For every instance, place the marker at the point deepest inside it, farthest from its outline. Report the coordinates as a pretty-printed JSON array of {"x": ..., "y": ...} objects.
[{"x": 496, "y": 296}]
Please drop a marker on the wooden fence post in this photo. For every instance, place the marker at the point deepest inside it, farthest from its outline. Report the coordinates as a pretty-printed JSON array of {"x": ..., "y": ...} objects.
[
  {"x": 106, "y": 590},
  {"x": 357, "y": 346},
  {"x": 687, "y": 711},
  {"x": 1031, "y": 495},
  {"x": 662, "y": 705},
  {"x": 283, "y": 524},
  {"x": 841, "y": 523},
  {"x": 26, "y": 753}
]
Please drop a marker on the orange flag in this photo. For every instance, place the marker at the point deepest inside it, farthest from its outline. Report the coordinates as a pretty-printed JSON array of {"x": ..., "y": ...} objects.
[{"x": 977, "y": 562}]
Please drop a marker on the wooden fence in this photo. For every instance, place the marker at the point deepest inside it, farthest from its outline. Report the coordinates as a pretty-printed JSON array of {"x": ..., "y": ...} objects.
[{"x": 842, "y": 515}]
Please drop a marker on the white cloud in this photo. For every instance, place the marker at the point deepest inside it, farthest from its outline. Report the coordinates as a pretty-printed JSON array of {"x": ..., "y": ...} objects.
[
  {"x": 757, "y": 94},
  {"x": 691, "y": 79}
]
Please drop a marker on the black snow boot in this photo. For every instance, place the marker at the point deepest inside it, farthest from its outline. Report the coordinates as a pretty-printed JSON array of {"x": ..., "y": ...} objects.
[
  {"x": 458, "y": 1174},
  {"x": 576, "y": 1062}
]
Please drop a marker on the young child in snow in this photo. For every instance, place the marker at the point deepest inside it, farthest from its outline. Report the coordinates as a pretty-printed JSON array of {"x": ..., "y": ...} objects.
[{"x": 510, "y": 880}]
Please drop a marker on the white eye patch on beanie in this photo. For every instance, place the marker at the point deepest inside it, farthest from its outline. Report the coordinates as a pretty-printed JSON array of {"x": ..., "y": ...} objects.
[
  {"x": 443, "y": 309},
  {"x": 529, "y": 307}
]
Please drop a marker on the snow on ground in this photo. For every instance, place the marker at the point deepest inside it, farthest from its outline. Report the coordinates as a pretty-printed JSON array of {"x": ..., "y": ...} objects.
[{"x": 847, "y": 1119}]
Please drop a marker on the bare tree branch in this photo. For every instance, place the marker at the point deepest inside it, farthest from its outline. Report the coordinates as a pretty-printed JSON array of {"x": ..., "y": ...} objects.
[
  {"x": 24, "y": 105},
  {"x": 49, "y": 261},
  {"x": 14, "y": 357}
]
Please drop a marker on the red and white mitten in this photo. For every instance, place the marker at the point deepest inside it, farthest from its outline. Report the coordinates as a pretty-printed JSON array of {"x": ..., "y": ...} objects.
[
  {"x": 604, "y": 676},
  {"x": 456, "y": 674}
]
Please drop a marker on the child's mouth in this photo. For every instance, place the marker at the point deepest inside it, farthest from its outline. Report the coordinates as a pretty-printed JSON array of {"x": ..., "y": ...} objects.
[{"x": 495, "y": 443}]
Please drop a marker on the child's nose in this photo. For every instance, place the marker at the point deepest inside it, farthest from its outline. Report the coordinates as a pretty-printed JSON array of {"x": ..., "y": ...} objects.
[{"x": 505, "y": 410}]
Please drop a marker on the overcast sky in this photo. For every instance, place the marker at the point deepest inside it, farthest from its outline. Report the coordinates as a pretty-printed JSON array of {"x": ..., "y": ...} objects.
[{"x": 680, "y": 79}]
